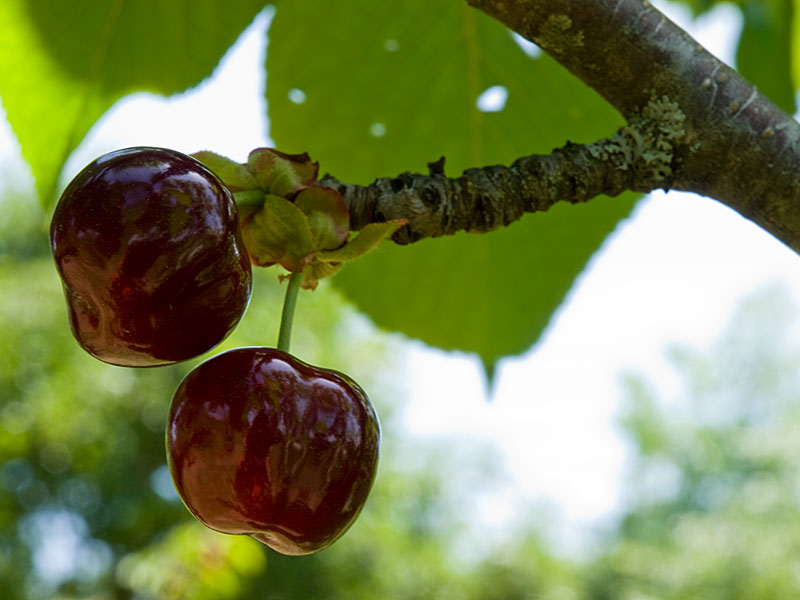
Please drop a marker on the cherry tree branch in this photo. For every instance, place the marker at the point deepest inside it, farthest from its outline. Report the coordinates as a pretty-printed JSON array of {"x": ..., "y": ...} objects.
[
  {"x": 694, "y": 124},
  {"x": 638, "y": 157},
  {"x": 738, "y": 148}
]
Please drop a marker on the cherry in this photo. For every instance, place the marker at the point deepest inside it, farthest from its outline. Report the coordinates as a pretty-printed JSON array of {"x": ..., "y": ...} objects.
[
  {"x": 262, "y": 444},
  {"x": 147, "y": 244}
]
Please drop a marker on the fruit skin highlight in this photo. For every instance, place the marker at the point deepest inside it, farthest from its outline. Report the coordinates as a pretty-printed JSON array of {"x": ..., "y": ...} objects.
[
  {"x": 263, "y": 444},
  {"x": 148, "y": 247}
]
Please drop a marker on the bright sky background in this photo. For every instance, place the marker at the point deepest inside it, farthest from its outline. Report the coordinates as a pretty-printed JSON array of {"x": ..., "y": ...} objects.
[{"x": 674, "y": 272}]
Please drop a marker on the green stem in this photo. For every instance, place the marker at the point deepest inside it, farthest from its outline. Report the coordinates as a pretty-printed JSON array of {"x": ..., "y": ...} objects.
[{"x": 287, "y": 317}]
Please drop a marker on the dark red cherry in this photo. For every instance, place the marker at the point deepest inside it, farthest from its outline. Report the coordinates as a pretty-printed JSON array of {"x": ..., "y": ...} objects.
[
  {"x": 147, "y": 244},
  {"x": 262, "y": 444}
]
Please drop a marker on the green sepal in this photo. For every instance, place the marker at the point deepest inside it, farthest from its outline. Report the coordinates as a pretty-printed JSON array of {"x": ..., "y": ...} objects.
[
  {"x": 279, "y": 233},
  {"x": 317, "y": 270},
  {"x": 327, "y": 214},
  {"x": 326, "y": 263},
  {"x": 287, "y": 219},
  {"x": 280, "y": 173},
  {"x": 234, "y": 175},
  {"x": 365, "y": 241}
]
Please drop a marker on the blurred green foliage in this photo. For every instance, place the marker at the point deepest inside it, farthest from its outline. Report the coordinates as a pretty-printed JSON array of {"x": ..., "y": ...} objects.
[
  {"x": 87, "y": 508},
  {"x": 715, "y": 502}
]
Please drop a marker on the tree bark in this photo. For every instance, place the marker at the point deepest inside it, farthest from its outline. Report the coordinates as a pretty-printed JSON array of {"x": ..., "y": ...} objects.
[{"x": 694, "y": 124}]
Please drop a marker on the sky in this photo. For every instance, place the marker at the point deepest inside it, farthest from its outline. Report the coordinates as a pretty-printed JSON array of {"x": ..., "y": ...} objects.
[{"x": 674, "y": 272}]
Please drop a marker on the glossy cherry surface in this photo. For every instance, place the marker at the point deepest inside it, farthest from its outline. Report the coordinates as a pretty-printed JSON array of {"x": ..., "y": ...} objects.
[
  {"x": 260, "y": 443},
  {"x": 147, "y": 244}
]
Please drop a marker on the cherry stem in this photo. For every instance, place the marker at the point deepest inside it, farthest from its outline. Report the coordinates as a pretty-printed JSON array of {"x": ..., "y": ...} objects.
[{"x": 287, "y": 316}]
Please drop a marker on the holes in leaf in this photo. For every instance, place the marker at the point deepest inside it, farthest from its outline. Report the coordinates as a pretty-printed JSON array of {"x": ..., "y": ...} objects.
[
  {"x": 527, "y": 46},
  {"x": 377, "y": 130},
  {"x": 297, "y": 96},
  {"x": 492, "y": 99}
]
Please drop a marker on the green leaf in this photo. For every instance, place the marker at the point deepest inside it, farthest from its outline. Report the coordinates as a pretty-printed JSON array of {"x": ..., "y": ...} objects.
[
  {"x": 327, "y": 214},
  {"x": 327, "y": 263},
  {"x": 414, "y": 72},
  {"x": 364, "y": 241},
  {"x": 280, "y": 173},
  {"x": 279, "y": 233},
  {"x": 484, "y": 301},
  {"x": 234, "y": 175},
  {"x": 764, "y": 55},
  {"x": 64, "y": 63}
]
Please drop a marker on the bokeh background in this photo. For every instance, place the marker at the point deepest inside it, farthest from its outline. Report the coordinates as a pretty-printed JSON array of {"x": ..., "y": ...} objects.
[{"x": 646, "y": 447}]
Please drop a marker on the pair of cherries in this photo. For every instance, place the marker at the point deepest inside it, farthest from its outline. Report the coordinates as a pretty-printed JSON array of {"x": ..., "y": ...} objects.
[{"x": 148, "y": 246}]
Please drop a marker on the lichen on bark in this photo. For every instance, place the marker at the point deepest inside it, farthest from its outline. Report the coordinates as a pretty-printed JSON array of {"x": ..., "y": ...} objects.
[
  {"x": 645, "y": 146},
  {"x": 557, "y": 34}
]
